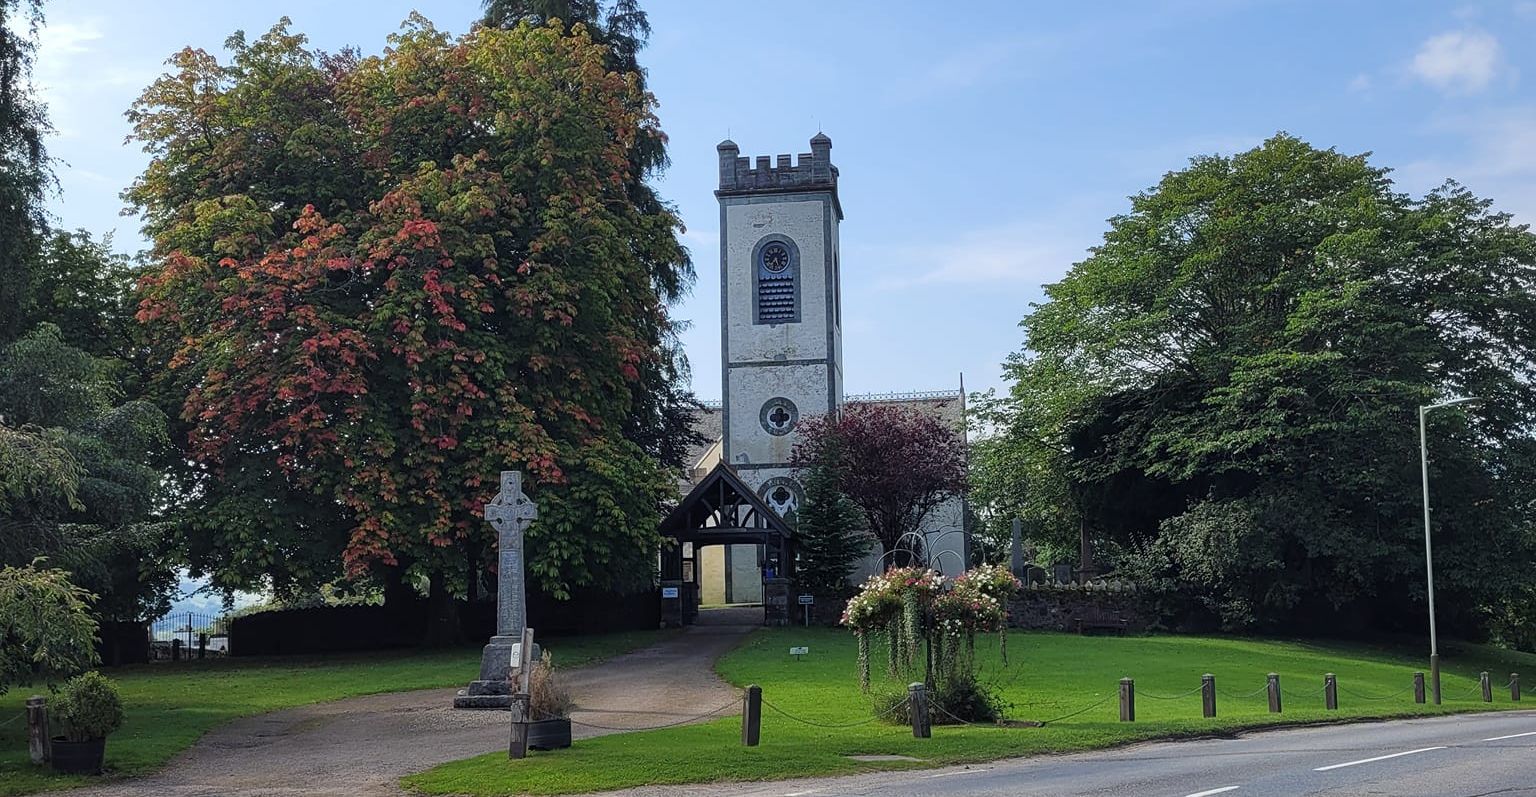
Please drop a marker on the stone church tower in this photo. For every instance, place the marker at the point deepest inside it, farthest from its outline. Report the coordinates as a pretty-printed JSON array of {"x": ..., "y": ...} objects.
[
  {"x": 781, "y": 333},
  {"x": 781, "y": 343}
]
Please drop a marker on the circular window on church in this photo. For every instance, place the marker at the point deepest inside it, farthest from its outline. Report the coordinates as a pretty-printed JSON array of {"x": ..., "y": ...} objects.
[
  {"x": 782, "y": 494},
  {"x": 779, "y": 416}
]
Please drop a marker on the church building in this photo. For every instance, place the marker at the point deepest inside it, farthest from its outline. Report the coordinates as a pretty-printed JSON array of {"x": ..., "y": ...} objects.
[{"x": 781, "y": 342}]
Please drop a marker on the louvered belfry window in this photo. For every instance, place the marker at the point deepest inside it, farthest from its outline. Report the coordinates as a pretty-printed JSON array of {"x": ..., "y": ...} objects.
[{"x": 778, "y": 282}]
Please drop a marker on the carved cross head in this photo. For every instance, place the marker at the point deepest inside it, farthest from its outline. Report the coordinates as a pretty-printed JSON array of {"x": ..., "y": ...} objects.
[{"x": 510, "y": 512}]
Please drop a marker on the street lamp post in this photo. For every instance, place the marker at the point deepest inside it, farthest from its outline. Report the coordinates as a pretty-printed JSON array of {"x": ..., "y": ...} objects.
[{"x": 1429, "y": 560}]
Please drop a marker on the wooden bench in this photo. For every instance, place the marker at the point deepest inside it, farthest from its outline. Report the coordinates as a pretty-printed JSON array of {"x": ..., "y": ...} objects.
[{"x": 1100, "y": 620}]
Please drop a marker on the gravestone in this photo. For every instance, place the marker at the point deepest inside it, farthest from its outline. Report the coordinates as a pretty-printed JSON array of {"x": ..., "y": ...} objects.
[
  {"x": 510, "y": 513},
  {"x": 1016, "y": 549},
  {"x": 1062, "y": 573},
  {"x": 1034, "y": 574}
]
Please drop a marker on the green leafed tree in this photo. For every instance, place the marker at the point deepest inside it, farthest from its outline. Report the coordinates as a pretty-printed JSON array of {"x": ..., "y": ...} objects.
[
  {"x": 460, "y": 270},
  {"x": 24, "y": 173},
  {"x": 47, "y": 632},
  {"x": 80, "y": 476},
  {"x": 830, "y": 537},
  {"x": 1227, "y": 388}
]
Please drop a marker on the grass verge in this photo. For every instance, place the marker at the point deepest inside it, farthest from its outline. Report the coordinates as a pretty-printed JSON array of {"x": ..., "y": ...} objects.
[
  {"x": 170, "y": 705},
  {"x": 1051, "y": 675}
]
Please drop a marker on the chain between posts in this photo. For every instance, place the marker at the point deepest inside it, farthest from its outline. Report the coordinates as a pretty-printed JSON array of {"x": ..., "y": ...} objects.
[
  {"x": 1194, "y": 691},
  {"x": 1358, "y": 696},
  {"x": 13, "y": 719},
  {"x": 1080, "y": 712},
  {"x": 683, "y": 721},
  {"x": 888, "y": 712},
  {"x": 1255, "y": 693}
]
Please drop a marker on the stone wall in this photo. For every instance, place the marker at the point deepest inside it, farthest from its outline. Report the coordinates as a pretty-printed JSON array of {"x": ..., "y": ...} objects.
[{"x": 1057, "y": 607}]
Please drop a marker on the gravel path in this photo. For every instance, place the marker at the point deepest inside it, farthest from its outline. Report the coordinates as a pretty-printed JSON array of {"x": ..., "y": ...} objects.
[{"x": 362, "y": 746}]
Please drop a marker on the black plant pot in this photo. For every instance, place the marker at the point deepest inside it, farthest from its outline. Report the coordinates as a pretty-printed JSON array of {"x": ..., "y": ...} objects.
[
  {"x": 549, "y": 734},
  {"x": 78, "y": 758}
]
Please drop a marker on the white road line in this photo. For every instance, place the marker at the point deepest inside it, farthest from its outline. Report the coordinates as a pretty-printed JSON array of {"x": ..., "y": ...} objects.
[
  {"x": 802, "y": 793},
  {"x": 1377, "y": 758},
  {"x": 1209, "y": 792},
  {"x": 960, "y": 772},
  {"x": 1511, "y": 736}
]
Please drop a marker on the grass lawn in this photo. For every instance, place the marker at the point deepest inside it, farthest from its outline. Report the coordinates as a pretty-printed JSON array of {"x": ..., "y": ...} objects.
[
  {"x": 170, "y": 705},
  {"x": 1051, "y": 675}
]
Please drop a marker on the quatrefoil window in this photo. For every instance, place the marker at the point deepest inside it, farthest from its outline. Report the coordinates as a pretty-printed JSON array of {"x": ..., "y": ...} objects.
[{"x": 779, "y": 416}]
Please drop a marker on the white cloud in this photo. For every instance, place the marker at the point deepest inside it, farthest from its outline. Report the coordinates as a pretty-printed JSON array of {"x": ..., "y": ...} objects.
[
  {"x": 1024, "y": 254},
  {"x": 1498, "y": 159},
  {"x": 1360, "y": 83},
  {"x": 1459, "y": 61}
]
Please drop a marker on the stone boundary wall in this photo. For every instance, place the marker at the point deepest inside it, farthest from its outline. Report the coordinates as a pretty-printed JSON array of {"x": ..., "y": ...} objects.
[{"x": 1056, "y": 607}]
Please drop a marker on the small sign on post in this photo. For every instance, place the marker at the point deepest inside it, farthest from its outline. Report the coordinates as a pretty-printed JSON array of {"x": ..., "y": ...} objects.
[
  {"x": 669, "y": 592},
  {"x": 797, "y": 652},
  {"x": 807, "y": 601}
]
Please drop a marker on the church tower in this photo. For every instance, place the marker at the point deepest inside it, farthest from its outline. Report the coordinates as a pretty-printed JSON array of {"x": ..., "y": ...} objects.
[{"x": 781, "y": 335}]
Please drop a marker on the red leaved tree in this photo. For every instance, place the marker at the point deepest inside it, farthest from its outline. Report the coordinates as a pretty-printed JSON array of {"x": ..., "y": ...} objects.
[{"x": 895, "y": 463}]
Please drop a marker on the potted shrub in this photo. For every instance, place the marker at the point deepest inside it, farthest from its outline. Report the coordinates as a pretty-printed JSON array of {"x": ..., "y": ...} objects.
[
  {"x": 87, "y": 708},
  {"x": 549, "y": 707}
]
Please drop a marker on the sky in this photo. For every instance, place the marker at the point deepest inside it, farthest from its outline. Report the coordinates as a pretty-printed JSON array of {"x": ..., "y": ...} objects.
[{"x": 982, "y": 146}]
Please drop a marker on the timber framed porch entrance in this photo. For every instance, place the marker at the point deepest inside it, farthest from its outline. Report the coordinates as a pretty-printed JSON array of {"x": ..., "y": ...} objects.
[{"x": 722, "y": 510}]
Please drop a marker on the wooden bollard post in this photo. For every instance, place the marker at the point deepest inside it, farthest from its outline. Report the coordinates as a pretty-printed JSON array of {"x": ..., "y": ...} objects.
[
  {"x": 517, "y": 744},
  {"x": 38, "y": 740},
  {"x": 1487, "y": 686},
  {"x": 521, "y": 705},
  {"x": 1514, "y": 686},
  {"x": 1418, "y": 687},
  {"x": 752, "y": 716},
  {"x": 1127, "y": 700},
  {"x": 917, "y": 704},
  {"x": 1208, "y": 695},
  {"x": 1274, "y": 693},
  {"x": 1331, "y": 692}
]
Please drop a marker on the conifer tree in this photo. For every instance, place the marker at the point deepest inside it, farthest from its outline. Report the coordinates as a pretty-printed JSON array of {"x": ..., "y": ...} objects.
[{"x": 830, "y": 536}]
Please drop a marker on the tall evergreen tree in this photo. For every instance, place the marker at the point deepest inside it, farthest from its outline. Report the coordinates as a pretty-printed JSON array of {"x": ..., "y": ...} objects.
[{"x": 829, "y": 536}]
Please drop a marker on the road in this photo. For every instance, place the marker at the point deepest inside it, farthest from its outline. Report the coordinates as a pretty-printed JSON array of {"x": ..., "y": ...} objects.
[{"x": 1458, "y": 756}]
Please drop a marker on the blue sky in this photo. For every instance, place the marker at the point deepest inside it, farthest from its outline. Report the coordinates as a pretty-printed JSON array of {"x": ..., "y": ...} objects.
[{"x": 981, "y": 145}]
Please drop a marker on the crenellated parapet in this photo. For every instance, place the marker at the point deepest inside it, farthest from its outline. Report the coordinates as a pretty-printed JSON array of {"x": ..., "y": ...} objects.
[{"x": 810, "y": 171}]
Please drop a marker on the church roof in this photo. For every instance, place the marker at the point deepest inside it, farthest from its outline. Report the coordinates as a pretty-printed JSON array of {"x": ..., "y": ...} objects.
[
  {"x": 947, "y": 405},
  {"x": 722, "y": 508}
]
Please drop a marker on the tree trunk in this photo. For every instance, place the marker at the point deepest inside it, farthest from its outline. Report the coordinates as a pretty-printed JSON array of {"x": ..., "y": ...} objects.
[{"x": 442, "y": 615}]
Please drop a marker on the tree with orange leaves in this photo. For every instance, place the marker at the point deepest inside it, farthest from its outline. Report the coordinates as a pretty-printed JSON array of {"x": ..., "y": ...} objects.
[{"x": 381, "y": 281}]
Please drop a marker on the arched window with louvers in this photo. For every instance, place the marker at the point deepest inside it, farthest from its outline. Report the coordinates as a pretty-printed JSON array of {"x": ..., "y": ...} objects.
[{"x": 776, "y": 281}]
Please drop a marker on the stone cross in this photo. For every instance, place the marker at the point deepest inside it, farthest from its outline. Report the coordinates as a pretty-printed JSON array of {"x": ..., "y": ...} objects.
[{"x": 510, "y": 513}]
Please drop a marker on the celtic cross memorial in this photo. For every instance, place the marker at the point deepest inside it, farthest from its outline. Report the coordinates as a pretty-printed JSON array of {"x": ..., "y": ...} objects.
[{"x": 510, "y": 513}]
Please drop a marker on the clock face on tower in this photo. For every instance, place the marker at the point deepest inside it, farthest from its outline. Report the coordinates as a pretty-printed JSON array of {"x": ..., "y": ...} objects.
[{"x": 775, "y": 258}]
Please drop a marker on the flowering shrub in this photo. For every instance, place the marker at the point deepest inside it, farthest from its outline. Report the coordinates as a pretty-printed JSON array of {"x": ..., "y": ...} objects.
[{"x": 913, "y": 604}]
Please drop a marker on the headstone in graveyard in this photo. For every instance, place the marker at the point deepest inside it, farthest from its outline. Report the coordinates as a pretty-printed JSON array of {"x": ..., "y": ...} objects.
[
  {"x": 510, "y": 513},
  {"x": 1016, "y": 563}
]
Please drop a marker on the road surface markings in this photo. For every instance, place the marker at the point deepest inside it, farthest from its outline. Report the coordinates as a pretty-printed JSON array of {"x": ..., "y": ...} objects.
[
  {"x": 1377, "y": 758},
  {"x": 1511, "y": 736},
  {"x": 802, "y": 793},
  {"x": 1209, "y": 792},
  {"x": 960, "y": 772}
]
